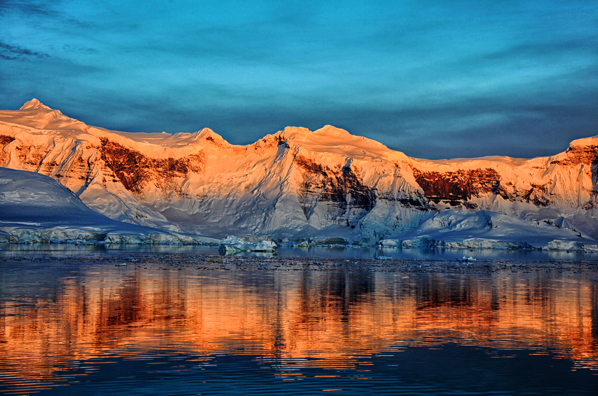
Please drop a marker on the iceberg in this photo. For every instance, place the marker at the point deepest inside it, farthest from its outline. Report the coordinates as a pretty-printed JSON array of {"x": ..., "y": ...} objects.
[{"x": 233, "y": 244}]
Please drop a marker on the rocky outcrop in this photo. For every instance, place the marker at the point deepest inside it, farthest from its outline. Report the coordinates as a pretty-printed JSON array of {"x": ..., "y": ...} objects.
[
  {"x": 576, "y": 155},
  {"x": 459, "y": 186},
  {"x": 342, "y": 190},
  {"x": 134, "y": 170},
  {"x": 4, "y": 140}
]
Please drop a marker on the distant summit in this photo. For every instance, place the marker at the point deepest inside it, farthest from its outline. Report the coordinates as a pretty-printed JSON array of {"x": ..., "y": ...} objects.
[{"x": 34, "y": 104}]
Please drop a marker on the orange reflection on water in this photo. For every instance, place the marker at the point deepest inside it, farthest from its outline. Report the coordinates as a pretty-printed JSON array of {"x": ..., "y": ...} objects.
[{"x": 335, "y": 317}]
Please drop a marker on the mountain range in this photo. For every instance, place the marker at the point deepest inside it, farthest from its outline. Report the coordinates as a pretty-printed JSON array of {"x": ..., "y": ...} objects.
[{"x": 323, "y": 186}]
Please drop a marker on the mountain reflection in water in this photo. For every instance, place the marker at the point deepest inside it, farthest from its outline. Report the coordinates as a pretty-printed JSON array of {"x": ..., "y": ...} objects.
[{"x": 60, "y": 324}]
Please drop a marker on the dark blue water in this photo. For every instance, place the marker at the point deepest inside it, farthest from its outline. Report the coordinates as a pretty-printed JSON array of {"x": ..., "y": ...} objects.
[
  {"x": 312, "y": 251},
  {"x": 186, "y": 325},
  {"x": 446, "y": 370}
]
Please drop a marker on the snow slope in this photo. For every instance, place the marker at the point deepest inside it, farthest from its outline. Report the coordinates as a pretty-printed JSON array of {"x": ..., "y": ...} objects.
[
  {"x": 295, "y": 183},
  {"x": 491, "y": 230},
  {"x": 36, "y": 208}
]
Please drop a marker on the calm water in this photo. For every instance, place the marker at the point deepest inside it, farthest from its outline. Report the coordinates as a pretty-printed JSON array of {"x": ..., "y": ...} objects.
[
  {"x": 312, "y": 251},
  {"x": 191, "y": 325}
]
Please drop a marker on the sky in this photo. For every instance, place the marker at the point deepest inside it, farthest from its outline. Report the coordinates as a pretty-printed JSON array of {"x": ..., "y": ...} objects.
[{"x": 433, "y": 79}]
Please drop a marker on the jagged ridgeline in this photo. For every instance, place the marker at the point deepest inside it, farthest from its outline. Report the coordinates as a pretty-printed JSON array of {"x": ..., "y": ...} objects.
[{"x": 293, "y": 184}]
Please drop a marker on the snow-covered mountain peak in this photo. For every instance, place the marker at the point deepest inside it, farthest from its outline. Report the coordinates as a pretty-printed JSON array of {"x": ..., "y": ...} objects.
[
  {"x": 304, "y": 134},
  {"x": 330, "y": 130},
  {"x": 294, "y": 133},
  {"x": 589, "y": 141},
  {"x": 580, "y": 152},
  {"x": 337, "y": 141},
  {"x": 35, "y": 114},
  {"x": 164, "y": 140},
  {"x": 210, "y": 136},
  {"x": 34, "y": 104}
]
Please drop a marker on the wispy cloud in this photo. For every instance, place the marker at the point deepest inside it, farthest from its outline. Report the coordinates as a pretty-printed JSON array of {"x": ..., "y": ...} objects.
[
  {"x": 14, "y": 52},
  {"x": 425, "y": 78},
  {"x": 28, "y": 7}
]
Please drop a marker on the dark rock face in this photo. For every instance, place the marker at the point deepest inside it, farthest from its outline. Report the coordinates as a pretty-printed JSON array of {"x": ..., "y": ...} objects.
[
  {"x": 4, "y": 140},
  {"x": 579, "y": 155},
  {"x": 130, "y": 167},
  {"x": 343, "y": 189},
  {"x": 34, "y": 156},
  {"x": 36, "y": 159},
  {"x": 134, "y": 169},
  {"x": 586, "y": 155},
  {"x": 538, "y": 195},
  {"x": 347, "y": 197},
  {"x": 593, "y": 203},
  {"x": 459, "y": 186}
]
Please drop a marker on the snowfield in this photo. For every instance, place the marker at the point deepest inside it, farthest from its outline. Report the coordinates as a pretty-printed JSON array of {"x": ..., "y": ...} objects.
[
  {"x": 323, "y": 187},
  {"x": 36, "y": 208},
  {"x": 490, "y": 230}
]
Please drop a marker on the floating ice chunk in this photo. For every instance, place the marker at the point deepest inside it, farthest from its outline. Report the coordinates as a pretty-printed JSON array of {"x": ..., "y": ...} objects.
[
  {"x": 572, "y": 245},
  {"x": 302, "y": 244},
  {"x": 421, "y": 242},
  {"x": 233, "y": 244},
  {"x": 331, "y": 241},
  {"x": 564, "y": 245},
  {"x": 390, "y": 243},
  {"x": 467, "y": 259}
]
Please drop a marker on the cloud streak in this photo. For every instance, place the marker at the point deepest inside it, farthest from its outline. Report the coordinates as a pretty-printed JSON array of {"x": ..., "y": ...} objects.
[
  {"x": 13, "y": 52},
  {"x": 27, "y": 8}
]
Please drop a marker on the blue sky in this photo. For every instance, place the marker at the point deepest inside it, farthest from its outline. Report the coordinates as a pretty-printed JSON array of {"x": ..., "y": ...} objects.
[{"x": 434, "y": 79}]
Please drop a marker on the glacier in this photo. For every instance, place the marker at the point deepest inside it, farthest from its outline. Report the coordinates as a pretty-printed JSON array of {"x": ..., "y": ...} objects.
[
  {"x": 320, "y": 187},
  {"x": 37, "y": 209}
]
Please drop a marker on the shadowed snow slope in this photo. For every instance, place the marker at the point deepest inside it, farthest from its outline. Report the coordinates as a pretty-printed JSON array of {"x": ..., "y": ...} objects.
[
  {"x": 295, "y": 183},
  {"x": 490, "y": 230},
  {"x": 36, "y": 208}
]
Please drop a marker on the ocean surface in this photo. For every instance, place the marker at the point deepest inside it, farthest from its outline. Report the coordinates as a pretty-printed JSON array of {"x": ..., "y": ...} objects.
[
  {"x": 312, "y": 251},
  {"x": 191, "y": 322}
]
